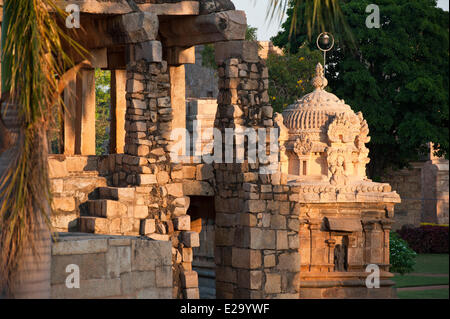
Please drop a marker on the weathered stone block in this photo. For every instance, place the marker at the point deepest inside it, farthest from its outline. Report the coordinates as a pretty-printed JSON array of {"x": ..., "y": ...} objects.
[
  {"x": 151, "y": 51},
  {"x": 190, "y": 239},
  {"x": 278, "y": 222},
  {"x": 250, "y": 279},
  {"x": 273, "y": 283},
  {"x": 66, "y": 204},
  {"x": 118, "y": 261},
  {"x": 148, "y": 226},
  {"x": 175, "y": 189},
  {"x": 282, "y": 240},
  {"x": 197, "y": 188},
  {"x": 146, "y": 179},
  {"x": 205, "y": 172},
  {"x": 146, "y": 255},
  {"x": 246, "y": 258},
  {"x": 189, "y": 279},
  {"x": 255, "y": 206},
  {"x": 163, "y": 276},
  {"x": 269, "y": 261},
  {"x": 246, "y": 50},
  {"x": 262, "y": 238},
  {"x": 191, "y": 293},
  {"x": 74, "y": 247},
  {"x": 187, "y": 255},
  {"x": 182, "y": 222},
  {"x": 289, "y": 262}
]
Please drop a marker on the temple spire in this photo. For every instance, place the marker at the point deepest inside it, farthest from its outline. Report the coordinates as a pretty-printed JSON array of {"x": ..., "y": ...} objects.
[{"x": 319, "y": 81}]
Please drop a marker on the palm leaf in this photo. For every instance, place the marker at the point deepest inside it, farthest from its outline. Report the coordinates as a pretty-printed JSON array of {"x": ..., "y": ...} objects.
[
  {"x": 33, "y": 61},
  {"x": 319, "y": 16}
]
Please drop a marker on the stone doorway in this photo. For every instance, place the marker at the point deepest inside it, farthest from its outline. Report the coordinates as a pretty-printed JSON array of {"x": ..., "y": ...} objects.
[{"x": 203, "y": 219}]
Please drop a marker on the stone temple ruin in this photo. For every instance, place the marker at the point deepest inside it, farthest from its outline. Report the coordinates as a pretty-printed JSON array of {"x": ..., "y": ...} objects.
[{"x": 141, "y": 225}]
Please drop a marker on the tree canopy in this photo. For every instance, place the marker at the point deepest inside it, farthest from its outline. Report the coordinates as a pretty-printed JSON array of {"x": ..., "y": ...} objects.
[{"x": 397, "y": 76}]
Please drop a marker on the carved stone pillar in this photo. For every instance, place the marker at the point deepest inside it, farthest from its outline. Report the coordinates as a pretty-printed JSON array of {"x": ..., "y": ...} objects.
[
  {"x": 386, "y": 226},
  {"x": 70, "y": 117},
  {"x": 118, "y": 110},
  {"x": 331, "y": 245},
  {"x": 85, "y": 113},
  {"x": 316, "y": 255}
]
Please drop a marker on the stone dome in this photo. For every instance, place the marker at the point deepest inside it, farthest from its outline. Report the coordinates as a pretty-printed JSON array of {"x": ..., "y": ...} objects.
[
  {"x": 314, "y": 111},
  {"x": 324, "y": 139}
]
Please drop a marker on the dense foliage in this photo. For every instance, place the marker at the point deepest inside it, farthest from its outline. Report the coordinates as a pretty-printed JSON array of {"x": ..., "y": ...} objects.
[
  {"x": 398, "y": 75},
  {"x": 289, "y": 76},
  {"x": 102, "y": 111},
  {"x": 402, "y": 258},
  {"x": 426, "y": 239}
]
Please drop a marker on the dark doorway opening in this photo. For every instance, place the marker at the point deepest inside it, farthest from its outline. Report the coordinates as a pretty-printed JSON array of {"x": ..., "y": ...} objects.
[{"x": 203, "y": 219}]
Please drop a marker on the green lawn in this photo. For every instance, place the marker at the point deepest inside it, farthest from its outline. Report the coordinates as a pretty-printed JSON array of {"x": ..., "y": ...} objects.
[
  {"x": 425, "y": 264},
  {"x": 414, "y": 281},
  {"x": 424, "y": 294},
  {"x": 432, "y": 263}
]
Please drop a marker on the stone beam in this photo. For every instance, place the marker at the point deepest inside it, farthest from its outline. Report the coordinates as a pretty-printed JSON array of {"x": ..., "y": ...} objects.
[
  {"x": 178, "y": 56},
  {"x": 102, "y": 32},
  {"x": 195, "y": 30},
  {"x": 107, "y": 7}
]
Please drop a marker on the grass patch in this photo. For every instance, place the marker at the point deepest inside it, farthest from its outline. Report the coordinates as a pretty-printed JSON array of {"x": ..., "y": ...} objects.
[
  {"x": 415, "y": 281},
  {"x": 424, "y": 294},
  {"x": 432, "y": 264}
]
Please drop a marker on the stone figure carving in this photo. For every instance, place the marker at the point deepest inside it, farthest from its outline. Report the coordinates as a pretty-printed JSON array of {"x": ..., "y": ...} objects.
[
  {"x": 340, "y": 257},
  {"x": 303, "y": 145},
  {"x": 343, "y": 128},
  {"x": 336, "y": 165}
]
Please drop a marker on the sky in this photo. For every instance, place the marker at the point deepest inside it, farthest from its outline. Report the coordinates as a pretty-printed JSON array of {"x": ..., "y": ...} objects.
[{"x": 256, "y": 11}]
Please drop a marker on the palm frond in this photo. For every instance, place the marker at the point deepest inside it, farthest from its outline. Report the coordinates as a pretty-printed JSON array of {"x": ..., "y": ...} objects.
[
  {"x": 33, "y": 61},
  {"x": 319, "y": 16}
]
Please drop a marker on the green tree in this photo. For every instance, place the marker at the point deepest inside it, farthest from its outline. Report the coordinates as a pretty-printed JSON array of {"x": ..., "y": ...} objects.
[
  {"x": 398, "y": 76},
  {"x": 102, "y": 111},
  {"x": 289, "y": 76}
]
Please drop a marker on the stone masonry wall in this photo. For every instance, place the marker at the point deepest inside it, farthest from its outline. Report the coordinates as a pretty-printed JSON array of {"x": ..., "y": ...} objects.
[
  {"x": 256, "y": 225},
  {"x": 148, "y": 127},
  {"x": 408, "y": 184},
  {"x": 424, "y": 191},
  {"x": 111, "y": 267}
]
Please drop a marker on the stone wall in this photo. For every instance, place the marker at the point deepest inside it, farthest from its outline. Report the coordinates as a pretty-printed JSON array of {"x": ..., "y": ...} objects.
[
  {"x": 256, "y": 227},
  {"x": 111, "y": 267},
  {"x": 408, "y": 184},
  {"x": 423, "y": 188},
  {"x": 201, "y": 82},
  {"x": 149, "y": 122},
  {"x": 435, "y": 189}
]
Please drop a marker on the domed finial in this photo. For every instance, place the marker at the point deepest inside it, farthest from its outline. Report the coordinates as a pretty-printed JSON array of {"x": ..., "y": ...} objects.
[{"x": 319, "y": 81}]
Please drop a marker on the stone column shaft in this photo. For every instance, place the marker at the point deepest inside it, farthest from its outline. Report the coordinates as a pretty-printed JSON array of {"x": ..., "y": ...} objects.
[
  {"x": 118, "y": 110},
  {"x": 70, "y": 117},
  {"x": 85, "y": 141}
]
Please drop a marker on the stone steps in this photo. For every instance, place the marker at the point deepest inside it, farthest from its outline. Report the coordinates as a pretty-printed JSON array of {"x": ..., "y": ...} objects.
[
  {"x": 117, "y": 211},
  {"x": 107, "y": 208},
  {"x": 123, "y": 226},
  {"x": 122, "y": 194}
]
